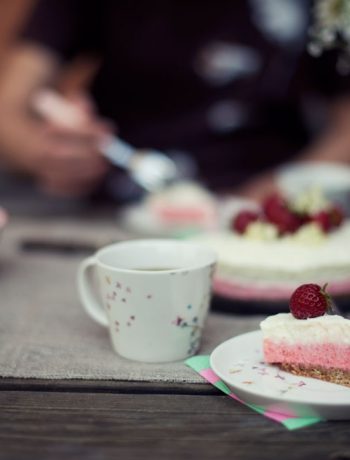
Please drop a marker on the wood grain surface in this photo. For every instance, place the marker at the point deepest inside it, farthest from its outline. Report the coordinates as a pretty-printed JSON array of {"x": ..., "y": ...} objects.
[{"x": 60, "y": 420}]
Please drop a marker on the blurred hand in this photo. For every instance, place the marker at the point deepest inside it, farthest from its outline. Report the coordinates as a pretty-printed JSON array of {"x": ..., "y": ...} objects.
[
  {"x": 71, "y": 163},
  {"x": 68, "y": 161},
  {"x": 63, "y": 157},
  {"x": 61, "y": 154}
]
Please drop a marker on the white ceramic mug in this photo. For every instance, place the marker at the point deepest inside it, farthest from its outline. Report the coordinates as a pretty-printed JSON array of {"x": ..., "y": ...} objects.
[{"x": 154, "y": 296}]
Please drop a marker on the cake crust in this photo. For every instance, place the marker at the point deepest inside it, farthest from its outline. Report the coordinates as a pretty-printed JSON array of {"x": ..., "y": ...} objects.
[{"x": 331, "y": 375}]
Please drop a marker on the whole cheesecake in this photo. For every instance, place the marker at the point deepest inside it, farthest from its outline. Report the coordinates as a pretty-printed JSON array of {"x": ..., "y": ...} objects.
[
  {"x": 252, "y": 268},
  {"x": 266, "y": 254}
]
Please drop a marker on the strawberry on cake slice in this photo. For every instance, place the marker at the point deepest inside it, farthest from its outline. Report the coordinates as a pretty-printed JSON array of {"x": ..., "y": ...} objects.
[{"x": 310, "y": 341}]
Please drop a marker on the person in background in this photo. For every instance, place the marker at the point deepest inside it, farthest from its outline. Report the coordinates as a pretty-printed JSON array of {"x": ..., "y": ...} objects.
[{"x": 230, "y": 84}]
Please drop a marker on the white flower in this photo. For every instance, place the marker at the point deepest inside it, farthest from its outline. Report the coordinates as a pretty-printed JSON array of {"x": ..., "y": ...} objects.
[
  {"x": 310, "y": 233},
  {"x": 263, "y": 231},
  {"x": 331, "y": 28},
  {"x": 310, "y": 201}
]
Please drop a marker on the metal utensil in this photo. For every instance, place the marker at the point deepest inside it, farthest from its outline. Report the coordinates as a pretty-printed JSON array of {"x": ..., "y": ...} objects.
[{"x": 149, "y": 168}]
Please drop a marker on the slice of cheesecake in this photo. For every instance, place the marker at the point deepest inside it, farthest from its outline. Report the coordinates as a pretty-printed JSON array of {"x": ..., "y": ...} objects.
[{"x": 314, "y": 346}]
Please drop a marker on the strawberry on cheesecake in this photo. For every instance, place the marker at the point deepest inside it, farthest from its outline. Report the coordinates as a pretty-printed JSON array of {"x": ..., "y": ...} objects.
[{"x": 310, "y": 341}]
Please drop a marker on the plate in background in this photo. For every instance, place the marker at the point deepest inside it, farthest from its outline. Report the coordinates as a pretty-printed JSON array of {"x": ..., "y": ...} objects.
[
  {"x": 332, "y": 178},
  {"x": 138, "y": 220}
]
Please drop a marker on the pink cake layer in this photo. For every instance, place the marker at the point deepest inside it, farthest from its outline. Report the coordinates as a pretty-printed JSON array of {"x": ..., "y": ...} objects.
[
  {"x": 183, "y": 213},
  {"x": 191, "y": 216},
  {"x": 271, "y": 291},
  {"x": 325, "y": 355}
]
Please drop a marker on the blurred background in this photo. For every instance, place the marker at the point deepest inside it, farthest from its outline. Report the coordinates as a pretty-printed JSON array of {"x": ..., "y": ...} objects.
[
  {"x": 230, "y": 87},
  {"x": 246, "y": 97}
]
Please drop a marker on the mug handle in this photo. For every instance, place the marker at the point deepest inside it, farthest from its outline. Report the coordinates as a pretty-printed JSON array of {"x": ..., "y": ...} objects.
[{"x": 87, "y": 296}]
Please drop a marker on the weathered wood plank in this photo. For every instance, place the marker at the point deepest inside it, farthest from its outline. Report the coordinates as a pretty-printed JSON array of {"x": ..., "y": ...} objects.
[
  {"x": 56, "y": 425},
  {"x": 106, "y": 386}
]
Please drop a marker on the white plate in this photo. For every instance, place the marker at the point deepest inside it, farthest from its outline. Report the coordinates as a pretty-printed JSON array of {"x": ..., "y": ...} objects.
[
  {"x": 332, "y": 178},
  {"x": 138, "y": 220},
  {"x": 240, "y": 364}
]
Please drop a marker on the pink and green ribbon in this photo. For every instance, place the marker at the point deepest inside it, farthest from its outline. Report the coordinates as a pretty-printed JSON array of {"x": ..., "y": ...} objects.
[{"x": 200, "y": 364}]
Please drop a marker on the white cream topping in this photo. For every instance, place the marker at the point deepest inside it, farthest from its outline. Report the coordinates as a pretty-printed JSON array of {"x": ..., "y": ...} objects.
[
  {"x": 182, "y": 194},
  {"x": 310, "y": 201},
  {"x": 286, "y": 255},
  {"x": 327, "y": 328}
]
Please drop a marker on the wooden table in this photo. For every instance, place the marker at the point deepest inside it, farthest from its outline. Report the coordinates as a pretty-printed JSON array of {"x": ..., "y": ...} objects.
[
  {"x": 109, "y": 420},
  {"x": 77, "y": 419}
]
